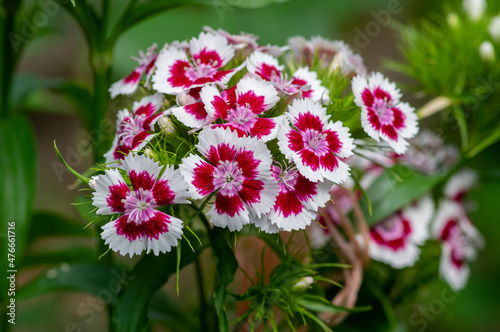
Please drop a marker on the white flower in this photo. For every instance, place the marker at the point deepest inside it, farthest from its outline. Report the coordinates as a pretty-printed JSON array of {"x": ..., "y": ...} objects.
[
  {"x": 474, "y": 8},
  {"x": 487, "y": 51},
  {"x": 494, "y": 28}
]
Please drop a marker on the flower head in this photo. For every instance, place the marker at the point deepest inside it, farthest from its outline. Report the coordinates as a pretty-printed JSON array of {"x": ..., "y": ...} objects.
[
  {"x": 134, "y": 130},
  {"x": 141, "y": 226},
  {"x": 460, "y": 184},
  {"x": 129, "y": 84},
  {"x": 383, "y": 115},
  {"x": 304, "y": 83},
  {"x": 298, "y": 199},
  {"x": 178, "y": 71},
  {"x": 459, "y": 239},
  {"x": 395, "y": 240},
  {"x": 238, "y": 170},
  {"x": 316, "y": 145},
  {"x": 241, "y": 106}
]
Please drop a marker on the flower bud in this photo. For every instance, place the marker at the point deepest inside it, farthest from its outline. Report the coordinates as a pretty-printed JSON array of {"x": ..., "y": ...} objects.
[
  {"x": 474, "y": 8},
  {"x": 166, "y": 125},
  {"x": 150, "y": 154},
  {"x": 494, "y": 28},
  {"x": 487, "y": 51},
  {"x": 93, "y": 181},
  {"x": 303, "y": 284},
  {"x": 453, "y": 20},
  {"x": 184, "y": 99}
]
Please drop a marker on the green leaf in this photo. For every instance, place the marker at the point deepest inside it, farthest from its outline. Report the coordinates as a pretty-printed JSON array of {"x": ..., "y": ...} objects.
[
  {"x": 74, "y": 254},
  {"x": 492, "y": 138},
  {"x": 462, "y": 126},
  {"x": 80, "y": 96},
  {"x": 151, "y": 273},
  {"x": 319, "y": 304},
  {"x": 226, "y": 268},
  {"x": 87, "y": 211},
  {"x": 51, "y": 224},
  {"x": 73, "y": 2},
  {"x": 17, "y": 187},
  {"x": 164, "y": 310},
  {"x": 96, "y": 279},
  {"x": 394, "y": 189}
]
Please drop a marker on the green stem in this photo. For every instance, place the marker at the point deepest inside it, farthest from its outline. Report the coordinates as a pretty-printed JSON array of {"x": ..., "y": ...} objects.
[
  {"x": 9, "y": 56},
  {"x": 201, "y": 290}
]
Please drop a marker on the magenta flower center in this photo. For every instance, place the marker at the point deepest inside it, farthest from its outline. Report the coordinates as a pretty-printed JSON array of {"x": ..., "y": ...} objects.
[
  {"x": 315, "y": 141},
  {"x": 242, "y": 117},
  {"x": 383, "y": 108},
  {"x": 131, "y": 128},
  {"x": 228, "y": 177},
  {"x": 391, "y": 229},
  {"x": 286, "y": 178},
  {"x": 140, "y": 205},
  {"x": 201, "y": 70}
]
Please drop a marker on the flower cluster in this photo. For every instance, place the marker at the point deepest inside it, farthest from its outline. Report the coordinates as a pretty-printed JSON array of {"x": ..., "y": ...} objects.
[{"x": 253, "y": 131}]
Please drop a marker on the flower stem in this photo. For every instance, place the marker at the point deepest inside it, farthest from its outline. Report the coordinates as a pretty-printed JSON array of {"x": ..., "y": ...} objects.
[{"x": 201, "y": 290}]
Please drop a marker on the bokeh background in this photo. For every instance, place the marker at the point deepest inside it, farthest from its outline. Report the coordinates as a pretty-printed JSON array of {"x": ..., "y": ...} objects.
[{"x": 59, "y": 53}]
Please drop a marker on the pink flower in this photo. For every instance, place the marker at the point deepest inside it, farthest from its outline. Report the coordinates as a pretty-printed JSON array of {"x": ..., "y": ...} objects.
[
  {"x": 238, "y": 170},
  {"x": 191, "y": 110},
  {"x": 316, "y": 145},
  {"x": 241, "y": 106},
  {"x": 134, "y": 130},
  {"x": 303, "y": 82},
  {"x": 177, "y": 71},
  {"x": 142, "y": 226},
  {"x": 395, "y": 240},
  {"x": 383, "y": 115},
  {"x": 460, "y": 184},
  {"x": 129, "y": 84},
  {"x": 298, "y": 199},
  {"x": 330, "y": 53},
  {"x": 460, "y": 240}
]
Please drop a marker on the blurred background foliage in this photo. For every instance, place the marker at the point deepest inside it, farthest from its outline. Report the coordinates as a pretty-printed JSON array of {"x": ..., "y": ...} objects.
[{"x": 57, "y": 53}]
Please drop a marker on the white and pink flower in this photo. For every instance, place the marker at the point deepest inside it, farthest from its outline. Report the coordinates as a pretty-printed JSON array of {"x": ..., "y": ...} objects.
[
  {"x": 395, "y": 240},
  {"x": 460, "y": 184},
  {"x": 177, "y": 71},
  {"x": 304, "y": 83},
  {"x": 383, "y": 115},
  {"x": 460, "y": 241},
  {"x": 141, "y": 226},
  {"x": 238, "y": 170},
  {"x": 316, "y": 145},
  {"x": 134, "y": 130},
  {"x": 129, "y": 84},
  {"x": 298, "y": 199},
  {"x": 241, "y": 106}
]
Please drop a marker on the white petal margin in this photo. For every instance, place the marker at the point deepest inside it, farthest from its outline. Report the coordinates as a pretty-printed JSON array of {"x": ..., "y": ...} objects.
[
  {"x": 156, "y": 100},
  {"x": 461, "y": 182},
  {"x": 207, "y": 96},
  {"x": 110, "y": 158},
  {"x": 120, "y": 243},
  {"x": 320, "y": 93},
  {"x": 401, "y": 258},
  {"x": 235, "y": 223},
  {"x": 292, "y": 222},
  {"x": 187, "y": 171},
  {"x": 454, "y": 276},
  {"x": 212, "y": 42},
  {"x": 141, "y": 163},
  {"x": 177, "y": 185},
  {"x": 321, "y": 198},
  {"x": 259, "y": 88},
  {"x": 265, "y": 225},
  {"x": 411, "y": 121},
  {"x": 166, "y": 59},
  {"x": 257, "y": 58},
  {"x": 420, "y": 215},
  {"x": 109, "y": 178},
  {"x": 123, "y": 88},
  {"x": 166, "y": 240}
]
